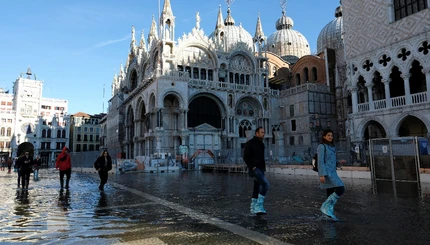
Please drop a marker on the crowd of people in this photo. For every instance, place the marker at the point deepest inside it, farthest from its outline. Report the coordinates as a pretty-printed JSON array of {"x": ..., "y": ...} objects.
[{"x": 25, "y": 165}]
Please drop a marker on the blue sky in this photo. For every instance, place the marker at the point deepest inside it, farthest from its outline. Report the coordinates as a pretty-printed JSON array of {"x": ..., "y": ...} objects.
[{"x": 77, "y": 46}]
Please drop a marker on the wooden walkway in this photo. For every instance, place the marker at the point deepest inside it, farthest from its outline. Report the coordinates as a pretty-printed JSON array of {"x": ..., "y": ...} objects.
[{"x": 230, "y": 168}]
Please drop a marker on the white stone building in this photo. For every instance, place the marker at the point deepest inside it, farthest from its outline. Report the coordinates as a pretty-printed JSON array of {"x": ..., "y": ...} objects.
[
  {"x": 212, "y": 91},
  {"x": 387, "y": 54},
  {"x": 33, "y": 123}
]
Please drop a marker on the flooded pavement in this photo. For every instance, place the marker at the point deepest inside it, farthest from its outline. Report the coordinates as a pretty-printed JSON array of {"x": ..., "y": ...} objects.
[{"x": 193, "y": 207}]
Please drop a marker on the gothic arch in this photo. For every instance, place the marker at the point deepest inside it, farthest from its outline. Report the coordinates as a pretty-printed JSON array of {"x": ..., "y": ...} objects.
[
  {"x": 397, "y": 123},
  {"x": 206, "y": 52},
  {"x": 248, "y": 57},
  {"x": 258, "y": 112},
  {"x": 204, "y": 109},
  {"x": 175, "y": 94},
  {"x": 373, "y": 128},
  {"x": 218, "y": 101}
]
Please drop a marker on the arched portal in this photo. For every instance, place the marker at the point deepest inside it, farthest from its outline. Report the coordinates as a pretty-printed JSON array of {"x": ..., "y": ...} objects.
[
  {"x": 412, "y": 126},
  {"x": 374, "y": 130},
  {"x": 204, "y": 110}
]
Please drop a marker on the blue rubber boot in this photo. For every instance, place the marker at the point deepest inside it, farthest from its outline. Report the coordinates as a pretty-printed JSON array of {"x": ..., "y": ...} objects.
[
  {"x": 327, "y": 207},
  {"x": 259, "y": 207},
  {"x": 253, "y": 204}
]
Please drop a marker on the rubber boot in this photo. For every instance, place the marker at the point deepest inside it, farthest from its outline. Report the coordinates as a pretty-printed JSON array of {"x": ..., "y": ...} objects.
[
  {"x": 327, "y": 207},
  {"x": 253, "y": 203},
  {"x": 259, "y": 207}
]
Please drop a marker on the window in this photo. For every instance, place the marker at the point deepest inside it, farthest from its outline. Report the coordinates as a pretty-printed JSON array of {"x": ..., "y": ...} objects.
[
  {"x": 85, "y": 137},
  {"x": 79, "y": 137},
  {"x": 291, "y": 110},
  {"x": 91, "y": 137},
  {"x": 58, "y": 147},
  {"x": 91, "y": 129},
  {"x": 293, "y": 125},
  {"x": 58, "y": 133},
  {"x": 291, "y": 140},
  {"x": 2, "y": 131},
  {"x": 63, "y": 134},
  {"x": 1, "y": 144},
  {"x": 43, "y": 133},
  {"x": 403, "y": 8},
  {"x": 9, "y": 132},
  {"x": 48, "y": 134},
  {"x": 91, "y": 147}
]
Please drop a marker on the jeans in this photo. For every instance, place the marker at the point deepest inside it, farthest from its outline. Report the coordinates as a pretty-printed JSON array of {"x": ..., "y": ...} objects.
[
  {"x": 67, "y": 172},
  {"x": 261, "y": 184},
  {"x": 36, "y": 174}
]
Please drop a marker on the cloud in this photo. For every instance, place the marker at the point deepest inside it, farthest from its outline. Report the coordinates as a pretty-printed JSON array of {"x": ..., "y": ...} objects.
[{"x": 102, "y": 44}]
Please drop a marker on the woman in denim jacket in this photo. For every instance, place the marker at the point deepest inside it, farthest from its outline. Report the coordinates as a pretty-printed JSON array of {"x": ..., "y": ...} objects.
[{"x": 327, "y": 173}]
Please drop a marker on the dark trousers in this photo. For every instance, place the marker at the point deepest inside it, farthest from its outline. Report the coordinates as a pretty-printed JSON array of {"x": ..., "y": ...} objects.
[
  {"x": 339, "y": 190},
  {"x": 25, "y": 175},
  {"x": 67, "y": 172},
  {"x": 19, "y": 177},
  {"x": 103, "y": 178}
]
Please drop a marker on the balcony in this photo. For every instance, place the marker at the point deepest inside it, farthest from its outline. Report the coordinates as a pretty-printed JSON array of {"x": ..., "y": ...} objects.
[
  {"x": 231, "y": 87},
  {"x": 396, "y": 102}
]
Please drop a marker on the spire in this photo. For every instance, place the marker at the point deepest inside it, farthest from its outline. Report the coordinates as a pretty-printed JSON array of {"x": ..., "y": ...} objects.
[
  {"x": 133, "y": 38},
  {"x": 167, "y": 9},
  {"x": 259, "y": 34},
  {"x": 29, "y": 73},
  {"x": 219, "y": 22},
  {"x": 152, "y": 32},
  {"x": 229, "y": 21},
  {"x": 142, "y": 43}
]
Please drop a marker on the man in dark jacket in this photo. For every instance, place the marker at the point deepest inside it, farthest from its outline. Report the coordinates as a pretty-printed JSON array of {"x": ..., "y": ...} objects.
[{"x": 253, "y": 156}]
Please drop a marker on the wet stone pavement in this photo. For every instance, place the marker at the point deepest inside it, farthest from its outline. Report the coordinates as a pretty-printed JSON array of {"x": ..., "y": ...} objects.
[{"x": 192, "y": 207}]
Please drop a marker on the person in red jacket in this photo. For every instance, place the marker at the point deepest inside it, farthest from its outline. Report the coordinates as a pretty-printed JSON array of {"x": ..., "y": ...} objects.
[{"x": 64, "y": 164}]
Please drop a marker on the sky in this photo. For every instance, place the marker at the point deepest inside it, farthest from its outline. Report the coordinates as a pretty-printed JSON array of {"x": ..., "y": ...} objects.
[{"x": 77, "y": 46}]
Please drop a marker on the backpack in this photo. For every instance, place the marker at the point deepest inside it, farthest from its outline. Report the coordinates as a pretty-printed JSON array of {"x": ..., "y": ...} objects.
[{"x": 315, "y": 160}]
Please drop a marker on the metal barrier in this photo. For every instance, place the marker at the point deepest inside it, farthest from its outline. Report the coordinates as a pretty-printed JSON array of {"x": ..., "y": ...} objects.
[{"x": 395, "y": 164}]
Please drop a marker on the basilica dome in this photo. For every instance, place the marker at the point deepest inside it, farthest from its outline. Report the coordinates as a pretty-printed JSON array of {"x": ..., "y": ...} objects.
[
  {"x": 290, "y": 44},
  {"x": 331, "y": 35},
  {"x": 230, "y": 36}
]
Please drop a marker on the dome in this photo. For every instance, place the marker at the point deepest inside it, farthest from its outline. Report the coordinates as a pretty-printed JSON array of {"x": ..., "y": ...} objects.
[
  {"x": 229, "y": 35},
  {"x": 331, "y": 35},
  {"x": 290, "y": 44}
]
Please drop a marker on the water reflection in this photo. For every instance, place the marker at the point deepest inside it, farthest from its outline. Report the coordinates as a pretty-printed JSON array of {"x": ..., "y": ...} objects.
[
  {"x": 260, "y": 223},
  {"x": 101, "y": 209},
  {"x": 22, "y": 203},
  {"x": 64, "y": 200},
  {"x": 329, "y": 230}
]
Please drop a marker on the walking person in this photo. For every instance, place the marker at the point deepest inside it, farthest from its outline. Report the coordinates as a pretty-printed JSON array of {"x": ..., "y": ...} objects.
[
  {"x": 37, "y": 162},
  {"x": 9, "y": 165},
  {"x": 64, "y": 164},
  {"x": 17, "y": 166},
  {"x": 103, "y": 165},
  {"x": 26, "y": 169},
  {"x": 253, "y": 156},
  {"x": 327, "y": 173}
]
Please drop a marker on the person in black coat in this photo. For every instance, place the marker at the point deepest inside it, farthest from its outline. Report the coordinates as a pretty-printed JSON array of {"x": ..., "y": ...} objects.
[
  {"x": 103, "y": 165},
  {"x": 26, "y": 168},
  {"x": 253, "y": 156}
]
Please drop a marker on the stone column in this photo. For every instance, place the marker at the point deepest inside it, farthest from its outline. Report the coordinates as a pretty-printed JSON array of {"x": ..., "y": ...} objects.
[
  {"x": 427, "y": 72},
  {"x": 354, "y": 99},
  {"x": 387, "y": 92},
  {"x": 408, "y": 96},
  {"x": 370, "y": 96}
]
